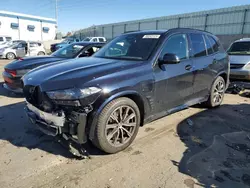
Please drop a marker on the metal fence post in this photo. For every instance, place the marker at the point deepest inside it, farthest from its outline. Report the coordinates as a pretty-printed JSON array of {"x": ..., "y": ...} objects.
[
  {"x": 244, "y": 21},
  {"x": 205, "y": 24},
  {"x": 156, "y": 24},
  {"x": 179, "y": 22},
  {"x": 139, "y": 26},
  {"x": 125, "y": 28},
  {"x": 112, "y": 31},
  {"x": 103, "y": 31}
]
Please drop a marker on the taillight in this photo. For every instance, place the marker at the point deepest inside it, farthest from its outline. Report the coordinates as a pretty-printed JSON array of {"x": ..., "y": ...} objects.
[{"x": 12, "y": 72}]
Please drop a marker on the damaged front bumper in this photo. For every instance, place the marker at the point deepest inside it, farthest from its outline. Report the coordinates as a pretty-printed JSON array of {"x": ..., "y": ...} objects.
[{"x": 71, "y": 126}]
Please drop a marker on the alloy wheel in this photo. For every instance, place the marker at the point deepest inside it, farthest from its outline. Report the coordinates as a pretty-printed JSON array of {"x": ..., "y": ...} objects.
[
  {"x": 121, "y": 125},
  {"x": 218, "y": 92}
]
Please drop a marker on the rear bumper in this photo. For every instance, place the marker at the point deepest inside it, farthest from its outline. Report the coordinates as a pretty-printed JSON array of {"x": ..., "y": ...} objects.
[{"x": 240, "y": 74}]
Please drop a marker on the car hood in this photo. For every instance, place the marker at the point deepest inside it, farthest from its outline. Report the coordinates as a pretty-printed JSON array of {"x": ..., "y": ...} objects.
[
  {"x": 78, "y": 73},
  {"x": 32, "y": 62},
  {"x": 239, "y": 59}
]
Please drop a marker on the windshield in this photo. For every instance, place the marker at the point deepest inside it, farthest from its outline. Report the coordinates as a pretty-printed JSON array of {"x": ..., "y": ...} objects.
[
  {"x": 87, "y": 39},
  {"x": 240, "y": 48},
  {"x": 70, "y": 51},
  {"x": 132, "y": 46}
]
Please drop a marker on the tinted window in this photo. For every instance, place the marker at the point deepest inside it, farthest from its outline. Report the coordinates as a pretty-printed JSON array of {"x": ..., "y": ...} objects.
[
  {"x": 1, "y": 38},
  {"x": 69, "y": 51},
  {"x": 214, "y": 44},
  {"x": 240, "y": 48},
  {"x": 101, "y": 40},
  {"x": 132, "y": 46},
  {"x": 209, "y": 46},
  {"x": 94, "y": 39},
  {"x": 8, "y": 38},
  {"x": 198, "y": 45},
  {"x": 177, "y": 45}
]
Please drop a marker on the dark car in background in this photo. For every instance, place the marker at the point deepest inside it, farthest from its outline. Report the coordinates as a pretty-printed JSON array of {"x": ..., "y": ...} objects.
[
  {"x": 56, "y": 46},
  {"x": 134, "y": 79},
  {"x": 15, "y": 70}
]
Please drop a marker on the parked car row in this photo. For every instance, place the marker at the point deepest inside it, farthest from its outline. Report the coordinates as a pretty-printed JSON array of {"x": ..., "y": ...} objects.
[
  {"x": 134, "y": 79},
  {"x": 67, "y": 41}
]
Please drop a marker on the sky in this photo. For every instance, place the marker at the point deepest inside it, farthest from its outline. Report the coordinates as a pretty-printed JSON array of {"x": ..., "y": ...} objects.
[{"x": 79, "y": 14}]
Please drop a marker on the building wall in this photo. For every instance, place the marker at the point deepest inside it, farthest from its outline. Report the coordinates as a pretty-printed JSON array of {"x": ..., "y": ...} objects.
[
  {"x": 226, "y": 21},
  {"x": 22, "y": 31}
]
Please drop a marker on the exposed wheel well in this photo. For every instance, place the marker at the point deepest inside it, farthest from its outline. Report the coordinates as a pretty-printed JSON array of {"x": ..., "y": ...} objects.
[
  {"x": 224, "y": 76},
  {"x": 137, "y": 99}
]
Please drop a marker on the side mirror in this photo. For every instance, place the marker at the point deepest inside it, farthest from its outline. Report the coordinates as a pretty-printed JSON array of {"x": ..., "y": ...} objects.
[{"x": 169, "y": 59}]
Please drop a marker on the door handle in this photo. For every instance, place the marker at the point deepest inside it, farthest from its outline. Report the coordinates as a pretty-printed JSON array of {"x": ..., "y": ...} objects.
[{"x": 188, "y": 67}]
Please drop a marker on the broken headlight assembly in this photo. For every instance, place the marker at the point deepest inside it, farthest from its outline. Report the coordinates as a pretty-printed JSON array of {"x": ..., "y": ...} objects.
[{"x": 72, "y": 97}]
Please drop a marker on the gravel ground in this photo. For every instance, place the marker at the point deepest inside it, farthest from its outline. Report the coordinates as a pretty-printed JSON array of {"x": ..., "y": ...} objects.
[{"x": 192, "y": 148}]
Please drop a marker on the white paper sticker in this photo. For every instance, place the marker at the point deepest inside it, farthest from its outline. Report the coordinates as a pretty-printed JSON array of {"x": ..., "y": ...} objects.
[{"x": 151, "y": 36}]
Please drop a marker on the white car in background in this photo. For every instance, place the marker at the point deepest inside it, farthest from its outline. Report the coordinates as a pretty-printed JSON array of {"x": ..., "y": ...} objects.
[
  {"x": 22, "y": 49},
  {"x": 95, "y": 39},
  {"x": 239, "y": 54},
  {"x": 4, "y": 39}
]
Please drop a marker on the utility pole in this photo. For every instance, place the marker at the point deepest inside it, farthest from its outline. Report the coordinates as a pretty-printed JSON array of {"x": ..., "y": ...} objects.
[{"x": 56, "y": 11}]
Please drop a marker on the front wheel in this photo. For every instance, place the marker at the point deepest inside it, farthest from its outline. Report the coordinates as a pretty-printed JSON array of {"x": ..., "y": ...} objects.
[
  {"x": 217, "y": 93},
  {"x": 117, "y": 126}
]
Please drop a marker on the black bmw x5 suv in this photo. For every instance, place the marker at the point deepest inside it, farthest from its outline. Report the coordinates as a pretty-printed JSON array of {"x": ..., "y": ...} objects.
[{"x": 136, "y": 78}]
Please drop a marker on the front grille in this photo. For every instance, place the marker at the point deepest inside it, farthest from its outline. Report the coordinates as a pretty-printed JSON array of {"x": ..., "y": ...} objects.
[
  {"x": 236, "y": 66},
  {"x": 37, "y": 98}
]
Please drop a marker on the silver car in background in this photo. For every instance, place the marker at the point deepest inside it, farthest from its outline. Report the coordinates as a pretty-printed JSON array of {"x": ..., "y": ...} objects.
[
  {"x": 22, "y": 49},
  {"x": 239, "y": 54}
]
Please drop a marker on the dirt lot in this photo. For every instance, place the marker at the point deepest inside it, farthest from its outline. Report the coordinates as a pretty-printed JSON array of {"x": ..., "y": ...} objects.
[{"x": 192, "y": 148}]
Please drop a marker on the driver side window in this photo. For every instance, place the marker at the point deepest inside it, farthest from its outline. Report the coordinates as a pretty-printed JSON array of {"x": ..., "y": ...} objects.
[{"x": 176, "y": 44}]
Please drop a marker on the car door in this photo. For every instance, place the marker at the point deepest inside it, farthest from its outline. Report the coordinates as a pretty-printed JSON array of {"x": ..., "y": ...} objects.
[
  {"x": 21, "y": 49},
  {"x": 203, "y": 58},
  {"x": 174, "y": 82},
  {"x": 33, "y": 46}
]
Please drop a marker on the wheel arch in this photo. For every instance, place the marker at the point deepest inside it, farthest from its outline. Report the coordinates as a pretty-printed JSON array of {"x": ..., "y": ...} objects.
[{"x": 133, "y": 95}]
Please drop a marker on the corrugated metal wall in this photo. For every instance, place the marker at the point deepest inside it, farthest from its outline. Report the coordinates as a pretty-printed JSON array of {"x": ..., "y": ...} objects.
[{"x": 226, "y": 21}]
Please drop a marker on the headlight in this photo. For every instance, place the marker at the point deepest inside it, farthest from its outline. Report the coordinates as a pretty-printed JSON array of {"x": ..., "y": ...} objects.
[
  {"x": 22, "y": 72},
  {"x": 72, "y": 94}
]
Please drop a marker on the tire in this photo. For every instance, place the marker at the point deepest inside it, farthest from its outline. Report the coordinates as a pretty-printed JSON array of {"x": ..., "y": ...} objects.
[
  {"x": 40, "y": 53},
  {"x": 123, "y": 135},
  {"x": 10, "y": 56},
  {"x": 216, "y": 93}
]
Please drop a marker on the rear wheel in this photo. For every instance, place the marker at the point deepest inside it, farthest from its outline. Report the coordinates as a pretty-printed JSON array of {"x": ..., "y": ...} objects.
[
  {"x": 10, "y": 56},
  {"x": 216, "y": 93},
  {"x": 117, "y": 125},
  {"x": 40, "y": 53}
]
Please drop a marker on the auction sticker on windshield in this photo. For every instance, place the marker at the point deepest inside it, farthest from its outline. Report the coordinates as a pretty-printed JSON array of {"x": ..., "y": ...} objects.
[{"x": 151, "y": 36}]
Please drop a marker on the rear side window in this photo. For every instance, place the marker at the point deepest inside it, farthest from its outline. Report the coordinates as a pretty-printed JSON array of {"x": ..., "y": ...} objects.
[
  {"x": 198, "y": 44},
  {"x": 94, "y": 39},
  {"x": 101, "y": 40},
  {"x": 1, "y": 39},
  {"x": 176, "y": 44},
  {"x": 209, "y": 46},
  {"x": 33, "y": 44},
  {"x": 214, "y": 44}
]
